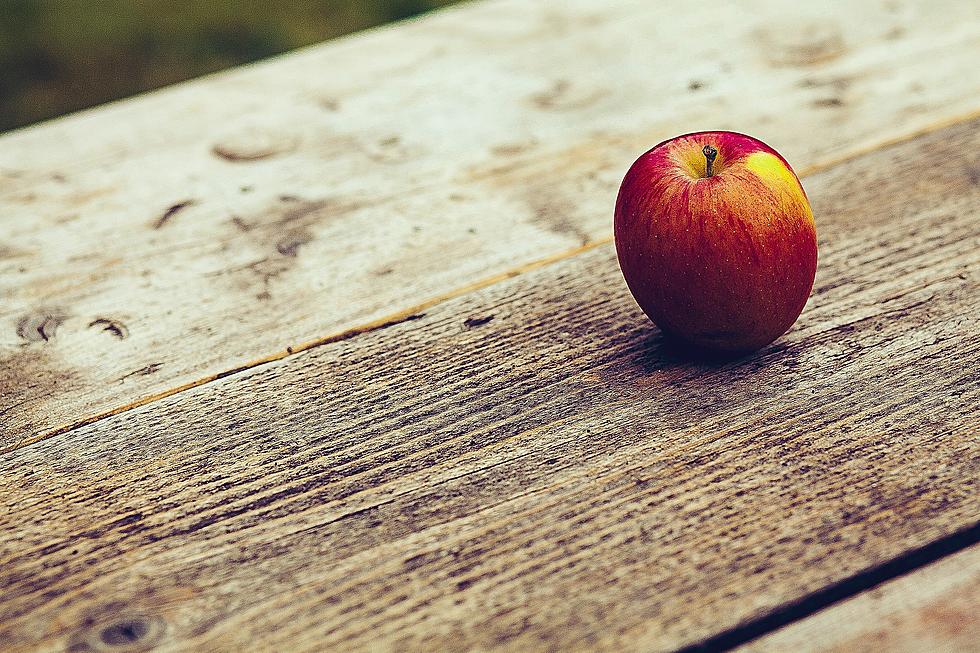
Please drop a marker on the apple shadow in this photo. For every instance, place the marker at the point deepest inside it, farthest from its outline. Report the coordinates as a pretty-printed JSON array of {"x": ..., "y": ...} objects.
[
  {"x": 676, "y": 387},
  {"x": 659, "y": 350}
]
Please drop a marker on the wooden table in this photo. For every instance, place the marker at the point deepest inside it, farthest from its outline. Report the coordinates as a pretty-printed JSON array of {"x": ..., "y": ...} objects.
[{"x": 332, "y": 352}]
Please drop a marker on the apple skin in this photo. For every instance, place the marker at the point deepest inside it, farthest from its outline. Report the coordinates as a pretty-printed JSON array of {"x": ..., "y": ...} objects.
[{"x": 723, "y": 262}]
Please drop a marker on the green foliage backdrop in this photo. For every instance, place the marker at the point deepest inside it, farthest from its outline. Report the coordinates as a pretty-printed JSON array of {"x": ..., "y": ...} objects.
[{"x": 62, "y": 55}]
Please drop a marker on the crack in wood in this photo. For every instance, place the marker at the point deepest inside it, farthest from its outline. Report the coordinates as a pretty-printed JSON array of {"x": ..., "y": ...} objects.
[{"x": 170, "y": 212}]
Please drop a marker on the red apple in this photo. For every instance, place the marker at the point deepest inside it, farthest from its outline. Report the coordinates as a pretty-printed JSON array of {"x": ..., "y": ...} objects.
[{"x": 715, "y": 237}]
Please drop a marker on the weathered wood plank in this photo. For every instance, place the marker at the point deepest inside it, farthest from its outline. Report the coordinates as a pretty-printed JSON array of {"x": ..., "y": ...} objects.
[
  {"x": 155, "y": 243},
  {"x": 529, "y": 466},
  {"x": 933, "y": 609}
]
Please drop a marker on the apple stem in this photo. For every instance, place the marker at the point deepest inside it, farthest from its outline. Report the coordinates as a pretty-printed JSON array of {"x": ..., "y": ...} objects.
[{"x": 709, "y": 154}]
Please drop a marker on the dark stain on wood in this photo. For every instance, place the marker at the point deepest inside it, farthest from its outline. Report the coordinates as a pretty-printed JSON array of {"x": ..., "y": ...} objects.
[
  {"x": 10, "y": 252},
  {"x": 895, "y": 33},
  {"x": 118, "y": 628},
  {"x": 115, "y": 328},
  {"x": 147, "y": 370},
  {"x": 828, "y": 103},
  {"x": 805, "y": 44},
  {"x": 240, "y": 224},
  {"x": 290, "y": 243},
  {"x": 280, "y": 231},
  {"x": 126, "y": 632},
  {"x": 973, "y": 173},
  {"x": 255, "y": 145},
  {"x": 40, "y": 327},
  {"x": 170, "y": 212},
  {"x": 554, "y": 211},
  {"x": 838, "y": 83},
  {"x": 563, "y": 96},
  {"x": 305, "y": 211},
  {"x": 268, "y": 270},
  {"x": 471, "y": 322},
  {"x": 510, "y": 149},
  {"x": 389, "y": 150}
]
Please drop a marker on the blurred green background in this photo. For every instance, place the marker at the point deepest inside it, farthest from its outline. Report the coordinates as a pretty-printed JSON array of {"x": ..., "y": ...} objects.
[{"x": 58, "y": 56}]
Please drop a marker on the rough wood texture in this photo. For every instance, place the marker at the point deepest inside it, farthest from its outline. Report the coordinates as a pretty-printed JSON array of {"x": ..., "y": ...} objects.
[
  {"x": 934, "y": 609},
  {"x": 152, "y": 244},
  {"x": 529, "y": 466}
]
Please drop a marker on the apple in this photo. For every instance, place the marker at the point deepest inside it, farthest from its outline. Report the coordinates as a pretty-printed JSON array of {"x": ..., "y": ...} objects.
[{"x": 716, "y": 240}]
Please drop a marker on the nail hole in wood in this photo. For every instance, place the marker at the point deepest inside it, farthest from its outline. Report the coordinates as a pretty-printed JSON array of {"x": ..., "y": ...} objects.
[
  {"x": 126, "y": 632},
  {"x": 471, "y": 322}
]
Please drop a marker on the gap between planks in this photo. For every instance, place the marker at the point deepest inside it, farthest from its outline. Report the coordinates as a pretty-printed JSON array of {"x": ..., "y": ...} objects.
[
  {"x": 413, "y": 311},
  {"x": 838, "y": 592}
]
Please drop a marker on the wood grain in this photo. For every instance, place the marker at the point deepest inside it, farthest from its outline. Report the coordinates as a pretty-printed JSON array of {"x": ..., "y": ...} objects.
[
  {"x": 154, "y": 244},
  {"x": 932, "y": 609},
  {"x": 530, "y": 467}
]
